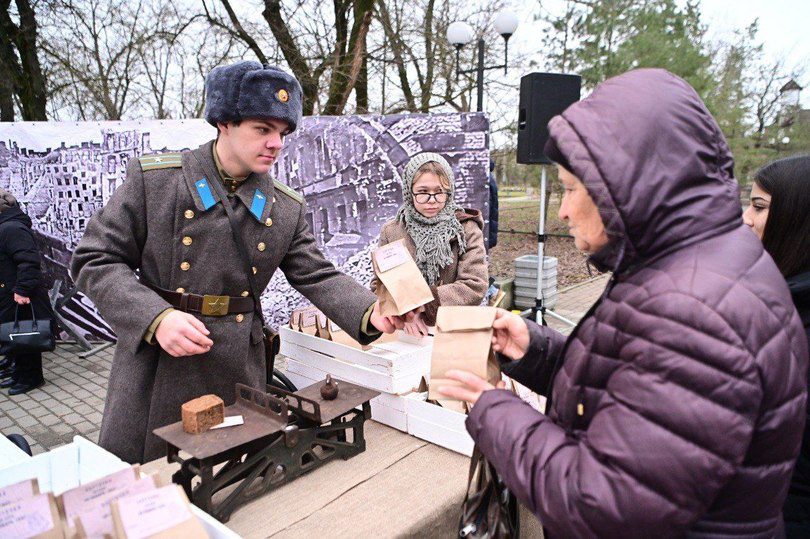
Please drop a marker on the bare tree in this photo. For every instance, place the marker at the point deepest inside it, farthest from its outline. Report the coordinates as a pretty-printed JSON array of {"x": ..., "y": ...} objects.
[
  {"x": 96, "y": 51},
  {"x": 423, "y": 61},
  {"x": 312, "y": 41},
  {"x": 21, "y": 75}
]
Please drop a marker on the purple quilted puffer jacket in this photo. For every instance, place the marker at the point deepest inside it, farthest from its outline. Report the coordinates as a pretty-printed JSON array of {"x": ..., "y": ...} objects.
[{"x": 678, "y": 402}]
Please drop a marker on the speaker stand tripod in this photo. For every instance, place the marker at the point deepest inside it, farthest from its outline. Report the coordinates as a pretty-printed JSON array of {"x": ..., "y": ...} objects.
[{"x": 539, "y": 311}]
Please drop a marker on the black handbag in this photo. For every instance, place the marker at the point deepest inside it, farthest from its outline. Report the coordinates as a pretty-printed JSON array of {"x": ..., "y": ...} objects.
[
  {"x": 27, "y": 336},
  {"x": 490, "y": 510}
]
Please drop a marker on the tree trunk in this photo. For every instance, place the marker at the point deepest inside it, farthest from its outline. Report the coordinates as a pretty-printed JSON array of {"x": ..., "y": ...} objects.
[
  {"x": 397, "y": 49},
  {"x": 26, "y": 79},
  {"x": 361, "y": 88},
  {"x": 298, "y": 64}
]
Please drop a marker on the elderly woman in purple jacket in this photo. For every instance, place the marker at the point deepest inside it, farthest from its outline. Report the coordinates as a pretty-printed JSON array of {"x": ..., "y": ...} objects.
[{"x": 676, "y": 406}]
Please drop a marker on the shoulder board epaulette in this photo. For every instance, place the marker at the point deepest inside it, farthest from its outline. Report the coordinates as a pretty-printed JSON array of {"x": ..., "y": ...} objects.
[
  {"x": 161, "y": 160},
  {"x": 289, "y": 191}
]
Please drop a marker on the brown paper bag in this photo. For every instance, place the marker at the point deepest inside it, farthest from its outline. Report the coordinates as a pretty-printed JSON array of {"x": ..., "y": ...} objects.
[
  {"x": 402, "y": 286},
  {"x": 160, "y": 513},
  {"x": 463, "y": 341},
  {"x": 305, "y": 320}
]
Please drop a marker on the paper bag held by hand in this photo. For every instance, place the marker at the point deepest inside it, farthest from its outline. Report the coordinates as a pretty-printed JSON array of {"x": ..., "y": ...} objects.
[
  {"x": 402, "y": 286},
  {"x": 463, "y": 341}
]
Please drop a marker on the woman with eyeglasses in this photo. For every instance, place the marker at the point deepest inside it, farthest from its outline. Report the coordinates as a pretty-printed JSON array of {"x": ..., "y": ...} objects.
[
  {"x": 779, "y": 214},
  {"x": 446, "y": 241}
]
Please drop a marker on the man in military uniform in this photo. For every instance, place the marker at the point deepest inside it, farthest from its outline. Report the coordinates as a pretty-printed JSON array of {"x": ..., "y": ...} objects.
[{"x": 187, "y": 327}]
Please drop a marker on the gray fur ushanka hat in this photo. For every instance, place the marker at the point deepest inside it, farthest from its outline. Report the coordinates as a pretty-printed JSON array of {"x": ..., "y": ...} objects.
[{"x": 249, "y": 90}]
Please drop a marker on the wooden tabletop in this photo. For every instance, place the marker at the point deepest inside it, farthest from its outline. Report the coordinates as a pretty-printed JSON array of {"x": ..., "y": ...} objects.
[{"x": 400, "y": 486}]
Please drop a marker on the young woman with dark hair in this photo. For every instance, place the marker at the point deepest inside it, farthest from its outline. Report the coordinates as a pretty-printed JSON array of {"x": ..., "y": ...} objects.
[{"x": 779, "y": 214}]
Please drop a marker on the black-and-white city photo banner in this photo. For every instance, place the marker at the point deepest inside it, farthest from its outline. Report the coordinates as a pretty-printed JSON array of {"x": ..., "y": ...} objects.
[{"x": 347, "y": 167}]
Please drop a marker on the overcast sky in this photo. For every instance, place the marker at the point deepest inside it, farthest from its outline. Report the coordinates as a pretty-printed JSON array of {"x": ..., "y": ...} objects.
[
  {"x": 783, "y": 30},
  {"x": 784, "y": 26}
]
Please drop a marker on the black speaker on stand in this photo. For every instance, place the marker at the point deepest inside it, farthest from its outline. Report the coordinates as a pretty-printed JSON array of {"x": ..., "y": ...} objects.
[{"x": 542, "y": 96}]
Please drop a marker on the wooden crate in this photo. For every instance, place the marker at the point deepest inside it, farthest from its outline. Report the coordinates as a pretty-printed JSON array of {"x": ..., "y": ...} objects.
[{"x": 391, "y": 367}]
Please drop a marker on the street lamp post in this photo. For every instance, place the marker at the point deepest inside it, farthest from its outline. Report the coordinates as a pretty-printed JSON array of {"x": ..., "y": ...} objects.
[{"x": 460, "y": 33}]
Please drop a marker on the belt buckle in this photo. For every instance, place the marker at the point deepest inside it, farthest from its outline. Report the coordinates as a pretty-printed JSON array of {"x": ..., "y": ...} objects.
[{"x": 215, "y": 305}]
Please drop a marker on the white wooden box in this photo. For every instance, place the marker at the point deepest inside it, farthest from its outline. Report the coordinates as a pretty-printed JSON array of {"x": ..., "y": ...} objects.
[
  {"x": 390, "y": 367},
  {"x": 79, "y": 462},
  {"x": 438, "y": 425}
]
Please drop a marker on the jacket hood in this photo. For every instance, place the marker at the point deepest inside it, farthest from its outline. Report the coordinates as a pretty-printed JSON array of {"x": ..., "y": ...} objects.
[
  {"x": 654, "y": 161},
  {"x": 466, "y": 214},
  {"x": 15, "y": 213}
]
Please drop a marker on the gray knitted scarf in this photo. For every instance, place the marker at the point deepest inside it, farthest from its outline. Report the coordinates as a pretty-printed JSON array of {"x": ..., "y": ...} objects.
[{"x": 432, "y": 235}]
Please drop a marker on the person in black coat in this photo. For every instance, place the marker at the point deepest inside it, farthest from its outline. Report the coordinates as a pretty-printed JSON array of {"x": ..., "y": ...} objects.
[
  {"x": 777, "y": 214},
  {"x": 492, "y": 239},
  {"x": 21, "y": 286}
]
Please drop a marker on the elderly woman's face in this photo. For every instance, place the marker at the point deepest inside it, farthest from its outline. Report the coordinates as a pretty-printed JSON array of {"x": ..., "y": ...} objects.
[
  {"x": 581, "y": 214},
  {"x": 756, "y": 214},
  {"x": 429, "y": 197}
]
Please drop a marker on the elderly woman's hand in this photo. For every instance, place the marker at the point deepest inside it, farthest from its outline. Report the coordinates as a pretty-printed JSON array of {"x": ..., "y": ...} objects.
[
  {"x": 471, "y": 388},
  {"x": 511, "y": 335},
  {"x": 21, "y": 300}
]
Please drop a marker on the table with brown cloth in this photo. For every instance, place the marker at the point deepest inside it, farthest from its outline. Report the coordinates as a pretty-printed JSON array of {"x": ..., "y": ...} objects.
[{"x": 400, "y": 486}]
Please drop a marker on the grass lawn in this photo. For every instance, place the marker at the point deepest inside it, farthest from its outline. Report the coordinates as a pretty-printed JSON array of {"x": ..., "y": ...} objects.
[{"x": 523, "y": 215}]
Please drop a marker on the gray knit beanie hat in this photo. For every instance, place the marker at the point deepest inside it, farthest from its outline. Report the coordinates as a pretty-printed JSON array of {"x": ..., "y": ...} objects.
[
  {"x": 7, "y": 200},
  {"x": 431, "y": 235},
  {"x": 250, "y": 90}
]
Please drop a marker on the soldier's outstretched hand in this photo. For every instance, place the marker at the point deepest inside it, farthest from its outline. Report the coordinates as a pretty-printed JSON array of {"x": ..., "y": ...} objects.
[{"x": 181, "y": 334}]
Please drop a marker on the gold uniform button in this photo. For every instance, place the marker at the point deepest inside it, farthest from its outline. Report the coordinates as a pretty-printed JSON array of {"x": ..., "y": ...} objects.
[
  {"x": 185, "y": 266},
  {"x": 255, "y": 271},
  {"x": 245, "y": 293},
  {"x": 2, "y": 285},
  {"x": 189, "y": 214},
  {"x": 261, "y": 246},
  {"x": 181, "y": 290},
  {"x": 240, "y": 317},
  {"x": 269, "y": 222},
  {"x": 187, "y": 241}
]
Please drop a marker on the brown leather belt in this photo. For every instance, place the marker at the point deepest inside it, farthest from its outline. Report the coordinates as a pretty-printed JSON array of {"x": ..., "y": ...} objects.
[{"x": 205, "y": 305}]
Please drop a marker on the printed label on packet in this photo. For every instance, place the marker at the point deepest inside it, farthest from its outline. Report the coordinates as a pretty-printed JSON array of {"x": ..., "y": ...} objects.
[
  {"x": 26, "y": 518},
  {"x": 97, "y": 521},
  {"x": 18, "y": 492},
  {"x": 149, "y": 513},
  {"x": 390, "y": 256},
  {"x": 78, "y": 500}
]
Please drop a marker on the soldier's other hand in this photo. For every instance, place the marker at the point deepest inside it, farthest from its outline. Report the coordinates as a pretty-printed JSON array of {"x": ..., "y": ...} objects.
[
  {"x": 182, "y": 334},
  {"x": 21, "y": 300},
  {"x": 386, "y": 324}
]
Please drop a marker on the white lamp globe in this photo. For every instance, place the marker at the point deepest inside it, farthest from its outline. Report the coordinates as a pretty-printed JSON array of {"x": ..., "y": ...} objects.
[
  {"x": 786, "y": 140},
  {"x": 460, "y": 33},
  {"x": 506, "y": 23}
]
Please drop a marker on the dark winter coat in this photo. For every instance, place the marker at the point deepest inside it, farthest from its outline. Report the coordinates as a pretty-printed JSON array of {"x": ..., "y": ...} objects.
[
  {"x": 679, "y": 403},
  {"x": 797, "y": 505},
  {"x": 492, "y": 240},
  {"x": 20, "y": 271}
]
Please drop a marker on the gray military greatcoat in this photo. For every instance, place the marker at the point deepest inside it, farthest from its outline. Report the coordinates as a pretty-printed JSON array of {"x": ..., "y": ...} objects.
[{"x": 157, "y": 222}]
